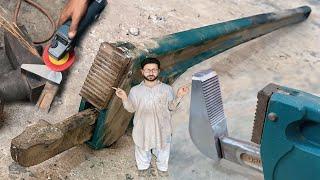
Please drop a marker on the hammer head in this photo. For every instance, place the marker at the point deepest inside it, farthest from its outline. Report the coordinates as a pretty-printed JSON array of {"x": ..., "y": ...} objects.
[{"x": 207, "y": 120}]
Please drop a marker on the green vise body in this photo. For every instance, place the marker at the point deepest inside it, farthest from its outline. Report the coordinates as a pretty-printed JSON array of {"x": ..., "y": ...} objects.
[{"x": 290, "y": 142}]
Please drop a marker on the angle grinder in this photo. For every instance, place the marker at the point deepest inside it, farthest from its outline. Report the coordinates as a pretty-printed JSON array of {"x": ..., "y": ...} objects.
[{"x": 59, "y": 55}]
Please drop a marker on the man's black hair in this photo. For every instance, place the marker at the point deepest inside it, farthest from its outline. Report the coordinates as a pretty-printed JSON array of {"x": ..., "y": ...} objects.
[{"x": 150, "y": 61}]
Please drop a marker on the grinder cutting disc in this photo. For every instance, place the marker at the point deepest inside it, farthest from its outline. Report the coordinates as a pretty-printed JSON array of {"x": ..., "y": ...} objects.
[{"x": 58, "y": 65}]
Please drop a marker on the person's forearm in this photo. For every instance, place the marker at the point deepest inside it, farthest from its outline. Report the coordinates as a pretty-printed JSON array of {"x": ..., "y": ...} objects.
[
  {"x": 173, "y": 105},
  {"x": 127, "y": 104}
]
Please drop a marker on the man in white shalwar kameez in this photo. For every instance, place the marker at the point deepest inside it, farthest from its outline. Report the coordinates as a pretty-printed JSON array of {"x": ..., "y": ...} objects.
[{"x": 151, "y": 101}]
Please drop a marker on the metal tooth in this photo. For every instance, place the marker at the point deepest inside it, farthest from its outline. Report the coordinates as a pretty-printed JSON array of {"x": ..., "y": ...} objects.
[
  {"x": 104, "y": 73},
  {"x": 263, "y": 99},
  {"x": 213, "y": 100}
]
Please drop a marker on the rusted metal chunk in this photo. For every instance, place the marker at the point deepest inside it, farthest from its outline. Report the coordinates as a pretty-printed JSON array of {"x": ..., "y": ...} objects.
[
  {"x": 106, "y": 71},
  {"x": 262, "y": 105},
  {"x": 43, "y": 140}
]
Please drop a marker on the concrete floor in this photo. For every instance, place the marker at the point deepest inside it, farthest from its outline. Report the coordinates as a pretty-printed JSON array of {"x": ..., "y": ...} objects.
[{"x": 289, "y": 57}]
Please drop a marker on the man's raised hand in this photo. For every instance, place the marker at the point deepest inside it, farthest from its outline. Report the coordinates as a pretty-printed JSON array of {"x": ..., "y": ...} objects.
[
  {"x": 182, "y": 91},
  {"x": 121, "y": 93}
]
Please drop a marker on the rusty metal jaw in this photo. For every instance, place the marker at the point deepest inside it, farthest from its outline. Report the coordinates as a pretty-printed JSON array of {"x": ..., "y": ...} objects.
[{"x": 263, "y": 99}]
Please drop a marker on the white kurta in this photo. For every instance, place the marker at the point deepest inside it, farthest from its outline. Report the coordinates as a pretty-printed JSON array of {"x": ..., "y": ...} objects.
[{"x": 152, "y": 126}]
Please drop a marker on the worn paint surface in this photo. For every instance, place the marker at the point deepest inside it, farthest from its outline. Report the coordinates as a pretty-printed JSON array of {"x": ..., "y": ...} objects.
[
  {"x": 295, "y": 133},
  {"x": 182, "y": 50}
]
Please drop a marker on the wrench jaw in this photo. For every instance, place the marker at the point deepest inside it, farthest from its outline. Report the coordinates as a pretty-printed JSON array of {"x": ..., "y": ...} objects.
[
  {"x": 264, "y": 96},
  {"x": 208, "y": 127},
  {"x": 207, "y": 120}
]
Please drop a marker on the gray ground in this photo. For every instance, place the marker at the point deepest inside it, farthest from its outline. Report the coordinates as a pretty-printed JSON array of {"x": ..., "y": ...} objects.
[{"x": 289, "y": 57}]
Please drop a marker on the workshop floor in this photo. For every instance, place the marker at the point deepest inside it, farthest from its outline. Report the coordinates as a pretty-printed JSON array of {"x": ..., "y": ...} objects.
[{"x": 288, "y": 57}]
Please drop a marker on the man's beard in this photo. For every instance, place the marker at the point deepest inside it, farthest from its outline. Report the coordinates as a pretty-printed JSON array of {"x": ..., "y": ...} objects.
[{"x": 150, "y": 78}]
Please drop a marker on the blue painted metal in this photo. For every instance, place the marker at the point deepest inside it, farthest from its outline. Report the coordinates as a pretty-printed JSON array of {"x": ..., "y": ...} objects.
[
  {"x": 96, "y": 141},
  {"x": 214, "y": 39},
  {"x": 290, "y": 146}
]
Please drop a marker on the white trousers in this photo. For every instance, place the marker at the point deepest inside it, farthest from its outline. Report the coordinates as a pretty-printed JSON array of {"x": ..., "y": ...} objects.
[{"x": 143, "y": 158}]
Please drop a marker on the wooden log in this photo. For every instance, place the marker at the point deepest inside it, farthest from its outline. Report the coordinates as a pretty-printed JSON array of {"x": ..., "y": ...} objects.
[
  {"x": 47, "y": 96},
  {"x": 43, "y": 140}
]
